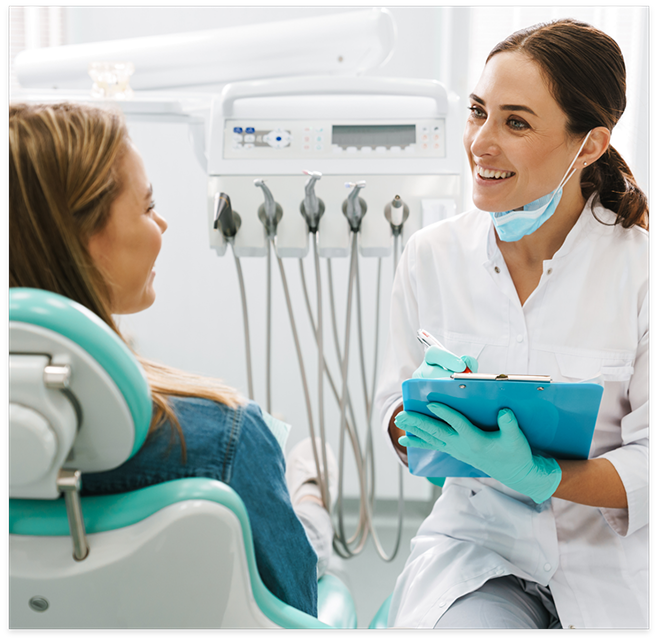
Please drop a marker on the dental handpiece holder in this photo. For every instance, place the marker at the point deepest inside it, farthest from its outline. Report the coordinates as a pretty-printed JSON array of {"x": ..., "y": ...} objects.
[
  {"x": 270, "y": 212},
  {"x": 355, "y": 207},
  {"x": 312, "y": 207},
  {"x": 226, "y": 220},
  {"x": 396, "y": 212}
]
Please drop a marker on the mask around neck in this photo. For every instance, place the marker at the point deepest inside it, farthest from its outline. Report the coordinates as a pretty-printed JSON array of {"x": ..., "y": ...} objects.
[{"x": 514, "y": 224}]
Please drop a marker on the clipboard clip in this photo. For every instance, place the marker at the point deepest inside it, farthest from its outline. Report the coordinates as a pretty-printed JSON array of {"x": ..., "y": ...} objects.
[{"x": 534, "y": 378}]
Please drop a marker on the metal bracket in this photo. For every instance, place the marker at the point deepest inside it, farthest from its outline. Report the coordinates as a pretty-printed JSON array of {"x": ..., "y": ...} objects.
[{"x": 69, "y": 482}]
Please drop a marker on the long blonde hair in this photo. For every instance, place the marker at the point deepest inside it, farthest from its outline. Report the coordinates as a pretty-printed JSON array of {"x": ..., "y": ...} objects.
[{"x": 63, "y": 177}]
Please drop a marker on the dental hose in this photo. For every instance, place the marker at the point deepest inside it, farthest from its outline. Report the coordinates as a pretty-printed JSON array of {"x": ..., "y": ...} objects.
[
  {"x": 245, "y": 321},
  {"x": 343, "y": 399},
  {"x": 366, "y": 507},
  {"x": 319, "y": 341},
  {"x": 340, "y": 537},
  {"x": 367, "y": 501},
  {"x": 326, "y": 370},
  {"x": 268, "y": 339},
  {"x": 341, "y": 544},
  {"x": 323, "y": 481},
  {"x": 369, "y": 458}
]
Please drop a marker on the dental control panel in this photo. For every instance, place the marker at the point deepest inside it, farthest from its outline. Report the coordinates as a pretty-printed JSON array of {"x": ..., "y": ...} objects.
[
  {"x": 338, "y": 154},
  {"x": 316, "y": 139}
]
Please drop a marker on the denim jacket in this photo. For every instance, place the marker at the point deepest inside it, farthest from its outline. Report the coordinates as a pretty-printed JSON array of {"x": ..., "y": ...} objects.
[{"x": 237, "y": 448}]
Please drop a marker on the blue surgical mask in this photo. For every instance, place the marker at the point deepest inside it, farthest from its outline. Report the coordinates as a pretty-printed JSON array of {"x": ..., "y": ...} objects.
[{"x": 517, "y": 223}]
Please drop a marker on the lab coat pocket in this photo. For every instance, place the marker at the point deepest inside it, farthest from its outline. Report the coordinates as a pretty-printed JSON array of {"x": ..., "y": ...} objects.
[
  {"x": 463, "y": 344},
  {"x": 586, "y": 366},
  {"x": 508, "y": 526}
]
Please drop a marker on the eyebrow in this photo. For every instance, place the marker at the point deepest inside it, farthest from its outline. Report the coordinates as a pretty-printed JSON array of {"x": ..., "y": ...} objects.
[
  {"x": 505, "y": 107},
  {"x": 149, "y": 193}
]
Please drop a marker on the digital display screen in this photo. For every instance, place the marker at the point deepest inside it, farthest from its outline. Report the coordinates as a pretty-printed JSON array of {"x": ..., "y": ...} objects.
[{"x": 373, "y": 135}]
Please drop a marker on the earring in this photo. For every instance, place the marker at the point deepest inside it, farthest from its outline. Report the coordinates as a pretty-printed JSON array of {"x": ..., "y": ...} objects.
[{"x": 585, "y": 164}]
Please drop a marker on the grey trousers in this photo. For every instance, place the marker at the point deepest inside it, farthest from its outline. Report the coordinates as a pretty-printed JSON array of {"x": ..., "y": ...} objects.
[{"x": 503, "y": 603}]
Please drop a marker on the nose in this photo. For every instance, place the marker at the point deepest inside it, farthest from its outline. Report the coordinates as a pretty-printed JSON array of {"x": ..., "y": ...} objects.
[
  {"x": 162, "y": 223},
  {"x": 484, "y": 140}
]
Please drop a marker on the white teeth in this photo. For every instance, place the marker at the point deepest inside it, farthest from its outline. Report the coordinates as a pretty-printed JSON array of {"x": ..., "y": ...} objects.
[{"x": 492, "y": 173}]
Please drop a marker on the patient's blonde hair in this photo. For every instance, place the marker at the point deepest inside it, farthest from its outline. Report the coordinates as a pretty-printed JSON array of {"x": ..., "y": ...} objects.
[{"x": 63, "y": 176}]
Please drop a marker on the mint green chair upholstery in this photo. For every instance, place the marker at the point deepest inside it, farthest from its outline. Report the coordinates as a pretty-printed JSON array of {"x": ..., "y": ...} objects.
[
  {"x": 175, "y": 555},
  {"x": 380, "y": 620}
]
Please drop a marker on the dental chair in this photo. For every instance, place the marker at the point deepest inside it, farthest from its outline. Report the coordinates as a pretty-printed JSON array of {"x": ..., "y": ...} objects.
[{"x": 175, "y": 555}]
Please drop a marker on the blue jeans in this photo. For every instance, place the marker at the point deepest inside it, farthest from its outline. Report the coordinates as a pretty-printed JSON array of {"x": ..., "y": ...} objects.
[{"x": 237, "y": 448}]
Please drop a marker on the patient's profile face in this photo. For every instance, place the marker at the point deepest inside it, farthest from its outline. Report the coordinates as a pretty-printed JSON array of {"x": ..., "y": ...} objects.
[{"x": 125, "y": 250}]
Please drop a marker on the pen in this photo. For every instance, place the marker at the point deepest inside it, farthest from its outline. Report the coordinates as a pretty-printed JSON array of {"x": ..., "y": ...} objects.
[{"x": 428, "y": 340}]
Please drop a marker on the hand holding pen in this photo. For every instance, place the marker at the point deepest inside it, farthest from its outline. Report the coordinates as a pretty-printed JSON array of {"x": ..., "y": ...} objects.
[{"x": 440, "y": 362}]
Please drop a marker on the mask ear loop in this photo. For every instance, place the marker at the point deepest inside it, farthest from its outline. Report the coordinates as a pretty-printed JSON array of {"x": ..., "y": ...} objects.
[{"x": 568, "y": 175}]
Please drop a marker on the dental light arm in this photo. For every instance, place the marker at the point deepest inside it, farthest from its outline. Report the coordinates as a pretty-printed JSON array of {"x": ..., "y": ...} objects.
[{"x": 354, "y": 207}]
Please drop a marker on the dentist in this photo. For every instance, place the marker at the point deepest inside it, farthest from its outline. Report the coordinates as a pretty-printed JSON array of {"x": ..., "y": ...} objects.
[{"x": 549, "y": 275}]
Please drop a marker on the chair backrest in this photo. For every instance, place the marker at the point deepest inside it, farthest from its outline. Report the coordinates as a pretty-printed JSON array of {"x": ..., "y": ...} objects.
[
  {"x": 71, "y": 380},
  {"x": 175, "y": 555}
]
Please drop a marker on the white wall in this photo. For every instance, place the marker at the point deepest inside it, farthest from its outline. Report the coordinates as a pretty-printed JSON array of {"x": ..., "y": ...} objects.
[{"x": 196, "y": 322}]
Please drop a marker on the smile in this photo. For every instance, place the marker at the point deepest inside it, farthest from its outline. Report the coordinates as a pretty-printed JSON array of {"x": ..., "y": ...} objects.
[{"x": 493, "y": 174}]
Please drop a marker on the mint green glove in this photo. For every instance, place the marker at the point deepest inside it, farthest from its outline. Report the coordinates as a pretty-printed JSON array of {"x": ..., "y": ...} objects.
[
  {"x": 504, "y": 455},
  {"x": 438, "y": 363}
]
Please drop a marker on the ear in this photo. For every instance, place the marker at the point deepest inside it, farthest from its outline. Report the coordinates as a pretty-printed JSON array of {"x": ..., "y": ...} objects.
[{"x": 596, "y": 145}]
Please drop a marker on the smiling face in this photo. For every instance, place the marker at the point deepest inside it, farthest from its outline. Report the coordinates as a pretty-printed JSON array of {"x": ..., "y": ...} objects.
[
  {"x": 126, "y": 248},
  {"x": 515, "y": 138}
]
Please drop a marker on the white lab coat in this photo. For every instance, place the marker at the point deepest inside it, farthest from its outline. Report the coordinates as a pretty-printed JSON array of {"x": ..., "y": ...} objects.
[{"x": 588, "y": 315}]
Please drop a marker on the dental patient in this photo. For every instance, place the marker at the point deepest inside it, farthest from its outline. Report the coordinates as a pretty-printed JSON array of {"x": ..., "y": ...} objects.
[{"x": 83, "y": 224}]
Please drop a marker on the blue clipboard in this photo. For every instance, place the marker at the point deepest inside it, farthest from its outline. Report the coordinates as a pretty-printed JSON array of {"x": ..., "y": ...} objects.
[{"x": 558, "y": 419}]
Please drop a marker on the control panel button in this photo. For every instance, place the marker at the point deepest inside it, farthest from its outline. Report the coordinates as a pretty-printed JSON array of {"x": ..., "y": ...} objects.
[
  {"x": 250, "y": 130},
  {"x": 278, "y": 138},
  {"x": 237, "y": 130},
  {"x": 249, "y": 138}
]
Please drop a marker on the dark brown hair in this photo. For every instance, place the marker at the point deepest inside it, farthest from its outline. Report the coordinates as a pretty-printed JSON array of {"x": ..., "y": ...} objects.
[
  {"x": 64, "y": 162},
  {"x": 585, "y": 71}
]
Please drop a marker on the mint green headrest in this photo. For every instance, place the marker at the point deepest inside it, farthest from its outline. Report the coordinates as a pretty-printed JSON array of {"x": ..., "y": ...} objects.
[{"x": 75, "y": 322}]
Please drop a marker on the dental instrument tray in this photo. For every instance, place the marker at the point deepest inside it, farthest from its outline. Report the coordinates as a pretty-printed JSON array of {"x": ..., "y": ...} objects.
[{"x": 558, "y": 418}]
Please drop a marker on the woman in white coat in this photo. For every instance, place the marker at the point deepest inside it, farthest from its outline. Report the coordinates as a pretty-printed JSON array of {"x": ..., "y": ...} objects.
[{"x": 549, "y": 275}]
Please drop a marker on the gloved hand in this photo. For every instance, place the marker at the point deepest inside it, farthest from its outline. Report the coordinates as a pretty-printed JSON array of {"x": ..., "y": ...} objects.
[
  {"x": 504, "y": 455},
  {"x": 441, "y": 364}
]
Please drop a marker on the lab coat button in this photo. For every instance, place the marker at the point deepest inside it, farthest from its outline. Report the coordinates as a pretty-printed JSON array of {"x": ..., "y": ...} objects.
[
  {"x": 547, "y": 567},
  {"x": 550, "y": 271},
  {"x": 519, "y": 338},
  {"x": 497, "y": 269},
  {"x": 442, "y": 604}
]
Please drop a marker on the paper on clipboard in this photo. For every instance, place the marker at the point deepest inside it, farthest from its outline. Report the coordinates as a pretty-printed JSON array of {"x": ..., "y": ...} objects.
[{"x": 558, "y": 419}]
